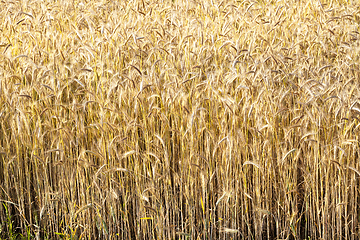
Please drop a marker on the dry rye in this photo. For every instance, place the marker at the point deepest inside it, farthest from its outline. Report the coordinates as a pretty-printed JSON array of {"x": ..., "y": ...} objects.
[{"x": 179, "y": 119}]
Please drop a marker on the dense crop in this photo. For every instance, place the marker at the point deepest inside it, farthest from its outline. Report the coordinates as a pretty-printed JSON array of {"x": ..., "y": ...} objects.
[{"x": 179, "y": 119}]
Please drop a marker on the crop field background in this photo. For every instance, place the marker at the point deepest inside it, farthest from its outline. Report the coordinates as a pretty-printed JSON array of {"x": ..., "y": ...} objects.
[{"x": 179, "y": 119}]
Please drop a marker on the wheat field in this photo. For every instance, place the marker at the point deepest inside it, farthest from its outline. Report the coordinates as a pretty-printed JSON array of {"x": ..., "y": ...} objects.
[{"x": 180, "y": 119}]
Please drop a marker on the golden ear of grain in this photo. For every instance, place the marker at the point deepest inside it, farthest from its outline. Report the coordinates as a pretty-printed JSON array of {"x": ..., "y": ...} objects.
[
  {"x": 221, "y": 198},
  {"x": 120, "y": 170},
  {"x": 97, "y": 154},
  {"x": 252, "y": 163},
  {"x": 229, "y": 230},
  {"x": 125, "y": 155},
  {"x": 287, "y": 154},
  {"x": 154, "y": 155},
  {"x": 82, "y": 209},
  {"x": 166, "y": 155},
  {"x": 306, "y": 135}
]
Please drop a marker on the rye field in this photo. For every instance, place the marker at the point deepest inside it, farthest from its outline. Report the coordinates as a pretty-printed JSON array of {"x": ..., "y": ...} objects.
[{"x": 179, "y": 119}]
